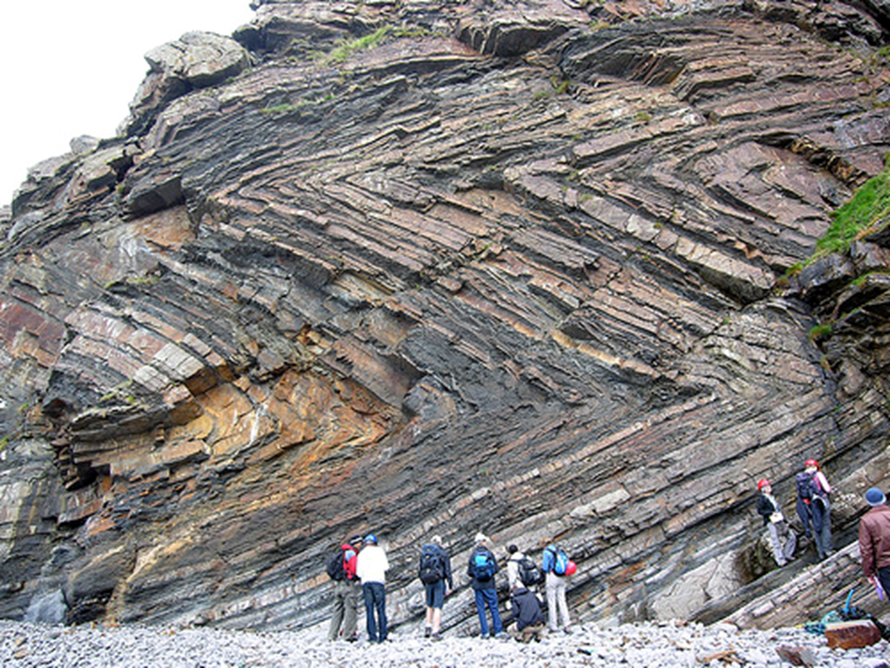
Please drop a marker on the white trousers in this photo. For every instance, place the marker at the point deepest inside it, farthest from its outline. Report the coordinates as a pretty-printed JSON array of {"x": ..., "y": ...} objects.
[{"x": 556, "y": 599}]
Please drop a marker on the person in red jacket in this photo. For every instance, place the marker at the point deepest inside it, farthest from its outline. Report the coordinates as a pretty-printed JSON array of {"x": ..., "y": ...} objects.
[
  {"x": 346, "y": 592},
  {"x": 874, "y": 540}
]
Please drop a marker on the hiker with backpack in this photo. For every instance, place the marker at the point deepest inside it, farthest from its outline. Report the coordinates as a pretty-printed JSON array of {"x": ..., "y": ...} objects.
[
  {"x": 782, "y": 539},
  {"x": 814, "y": 507},
  {"x": 435, "y": 574},
  {"x": 371, "y": 569},
  {"x": 341, "y": 569},
  {"x": 521, "y": 570},
  {"x": 556, "y": 565},
  {"x": 481, "y": 569}
]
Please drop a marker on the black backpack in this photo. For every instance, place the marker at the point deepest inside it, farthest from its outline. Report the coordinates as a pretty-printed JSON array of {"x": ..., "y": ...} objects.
[
  {"x": 804, "y": 485},
  {"x": 335, "y": 568},
  {"x": 529, "y": 573},
  {"x": 432, "y": 567}
]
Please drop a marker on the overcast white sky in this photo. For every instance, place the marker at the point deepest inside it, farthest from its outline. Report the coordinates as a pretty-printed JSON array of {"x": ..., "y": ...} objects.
[{"x": 71, "y": 68}]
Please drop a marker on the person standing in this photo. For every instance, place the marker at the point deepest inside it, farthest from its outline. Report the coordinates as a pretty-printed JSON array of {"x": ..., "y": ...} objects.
[
  {"x": 874, "y": 540},
  {"x": 529, "y": 619},
  {"x": 554, "y": 564},
  {"x": 782, "y": 540},
  {"x": 342, "y": 572},
  {"x": 513, "y": 561},
  {"x": 820, "y": 507},
  {"x": 371, "y": 569},
  {"x": 435, "y": 573},
  {"x": 481, "y": 570}
]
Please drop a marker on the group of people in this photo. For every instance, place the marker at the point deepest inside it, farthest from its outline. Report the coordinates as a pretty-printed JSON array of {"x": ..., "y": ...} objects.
[
  {"x": 352, "y": 568},
  {"x": 349, "y": 569},
  {"x": 366, "y": 567},
  {"x": 813, "y": 508}
]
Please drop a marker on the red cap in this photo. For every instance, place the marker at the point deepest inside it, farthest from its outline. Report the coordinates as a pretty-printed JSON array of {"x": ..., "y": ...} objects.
[
  {"x": 762, "y": 484},
  {"x": 810, "y": 462}
]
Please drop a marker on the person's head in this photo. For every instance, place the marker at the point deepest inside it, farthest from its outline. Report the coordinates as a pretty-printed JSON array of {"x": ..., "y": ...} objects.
[
  {"x": 764, "y": 486},
  {"x": 811, "y": 465},
  {"x": 512, "y": 549},
  {"x": 370, "y": 539},
  {"x": 875, "y": 497},
  {"x": 481, "y": 538},
  {"x": 436, "y": 540}
]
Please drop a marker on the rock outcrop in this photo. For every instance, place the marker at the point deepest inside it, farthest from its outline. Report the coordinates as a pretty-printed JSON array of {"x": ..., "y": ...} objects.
[{"x": 434, "y": 267}]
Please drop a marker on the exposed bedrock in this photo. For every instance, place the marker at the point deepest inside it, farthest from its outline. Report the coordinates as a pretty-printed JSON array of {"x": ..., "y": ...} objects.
[{"x": 484, "y": 271}]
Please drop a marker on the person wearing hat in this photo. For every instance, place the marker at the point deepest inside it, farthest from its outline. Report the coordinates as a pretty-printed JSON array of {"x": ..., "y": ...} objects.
[
  {"x": 345, "y": 602},
  {"x": 820, "y": 507},
  {"x": 782, "y": 539},
  {"x": 371, "y": 569},
  {"x": 481, "y": 571},
  {"x": 874, "y": 539}
]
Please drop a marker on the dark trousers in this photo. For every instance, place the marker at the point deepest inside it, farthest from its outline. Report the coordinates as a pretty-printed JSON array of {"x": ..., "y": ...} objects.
[
  {"x": 375, "y": 601},
  {"x": 884, "y": 579},
  {"x": 488, "y": 598}
]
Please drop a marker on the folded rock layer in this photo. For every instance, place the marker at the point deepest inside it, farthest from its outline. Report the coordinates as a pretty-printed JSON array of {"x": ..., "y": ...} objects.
[{"x": 438, "y": 267}]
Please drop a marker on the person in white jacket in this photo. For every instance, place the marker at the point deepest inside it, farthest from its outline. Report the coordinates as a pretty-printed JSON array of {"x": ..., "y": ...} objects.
[
  {"x": 516, "y": 556},
  {"x": 371, "y": 570}
]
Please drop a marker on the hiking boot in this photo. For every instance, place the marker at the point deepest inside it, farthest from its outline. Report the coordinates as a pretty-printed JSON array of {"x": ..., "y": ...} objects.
[
  {"x": 502, "y": 636},
  {"x": 427, "y": 632},
  {"x": 436, "y": 636}
]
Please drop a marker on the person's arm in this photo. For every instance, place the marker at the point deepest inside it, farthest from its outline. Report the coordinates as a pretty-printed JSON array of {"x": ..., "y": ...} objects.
[
  {"x": 448, "y": 577},
  {"x": 867, "y": 551}
]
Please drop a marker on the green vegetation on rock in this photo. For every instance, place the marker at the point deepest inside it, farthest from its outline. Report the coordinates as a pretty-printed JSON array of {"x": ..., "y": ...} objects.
[{"x": 868, "y": 208}]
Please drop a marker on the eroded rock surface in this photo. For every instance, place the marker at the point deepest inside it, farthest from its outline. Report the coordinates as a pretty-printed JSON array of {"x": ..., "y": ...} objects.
[{"x": 482, "y": 271}]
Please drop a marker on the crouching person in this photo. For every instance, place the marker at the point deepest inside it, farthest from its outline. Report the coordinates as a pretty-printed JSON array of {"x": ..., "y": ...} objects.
[{"x": 528, "y": 618}]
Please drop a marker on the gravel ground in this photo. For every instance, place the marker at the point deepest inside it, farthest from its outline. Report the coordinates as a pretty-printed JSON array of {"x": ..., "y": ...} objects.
[{"x": 641, "y": 645}]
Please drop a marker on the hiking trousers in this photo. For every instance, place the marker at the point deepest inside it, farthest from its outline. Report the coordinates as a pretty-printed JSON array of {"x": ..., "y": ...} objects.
[
  {"x": 375, "y": 602},
  {"x": 783, "y": 541},
  {"x": 821, "y": 509},
  {"x": 488, "y": 598},
  {"x": 345, "y": 610},
  {"x": 555, "y": 587}
]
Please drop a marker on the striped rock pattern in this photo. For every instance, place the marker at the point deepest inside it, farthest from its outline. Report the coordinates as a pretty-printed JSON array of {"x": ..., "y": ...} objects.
[{"x": 438, "y": 267}]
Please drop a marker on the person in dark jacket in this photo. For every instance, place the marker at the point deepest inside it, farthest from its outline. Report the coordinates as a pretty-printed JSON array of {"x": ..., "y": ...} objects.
[
  {"x": 528, "y": 618},
  {"x": 782, "y": 539},
  {"x": 438, "y": 590},
  {"x": 484, "y": 586},
  {"x": 874, "y": 540}
]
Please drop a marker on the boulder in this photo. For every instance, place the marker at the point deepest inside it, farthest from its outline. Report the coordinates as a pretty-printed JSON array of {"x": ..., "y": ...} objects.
[{"x": 852, "y": 635}]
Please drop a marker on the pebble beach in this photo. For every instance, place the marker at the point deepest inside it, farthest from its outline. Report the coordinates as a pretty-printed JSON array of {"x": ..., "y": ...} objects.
[{"x": 665, "y": 645}]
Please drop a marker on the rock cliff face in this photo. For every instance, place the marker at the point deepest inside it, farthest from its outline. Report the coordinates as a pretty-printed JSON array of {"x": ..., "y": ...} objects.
[{"x": 434, "y": 267}]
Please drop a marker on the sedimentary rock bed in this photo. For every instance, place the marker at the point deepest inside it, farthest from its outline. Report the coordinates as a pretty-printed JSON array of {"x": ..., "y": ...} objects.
[{"x": 441, "y": 267}]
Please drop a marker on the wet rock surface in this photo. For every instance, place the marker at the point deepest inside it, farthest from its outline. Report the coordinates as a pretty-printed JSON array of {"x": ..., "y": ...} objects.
[{"x": 478, "y": 272}]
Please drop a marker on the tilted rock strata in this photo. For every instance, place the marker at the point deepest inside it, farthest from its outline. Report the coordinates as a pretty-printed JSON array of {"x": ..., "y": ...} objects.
[{"x": 530, "y": 289}]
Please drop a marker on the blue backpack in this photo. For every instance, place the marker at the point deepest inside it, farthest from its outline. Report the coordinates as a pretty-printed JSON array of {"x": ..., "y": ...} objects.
[
  {"x": 483, "y": 565},
  {"x": 560, "y": 561}
]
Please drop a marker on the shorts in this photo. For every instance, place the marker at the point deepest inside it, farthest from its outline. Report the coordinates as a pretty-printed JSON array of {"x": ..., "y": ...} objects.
[{"x": 435, "y": 594}]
